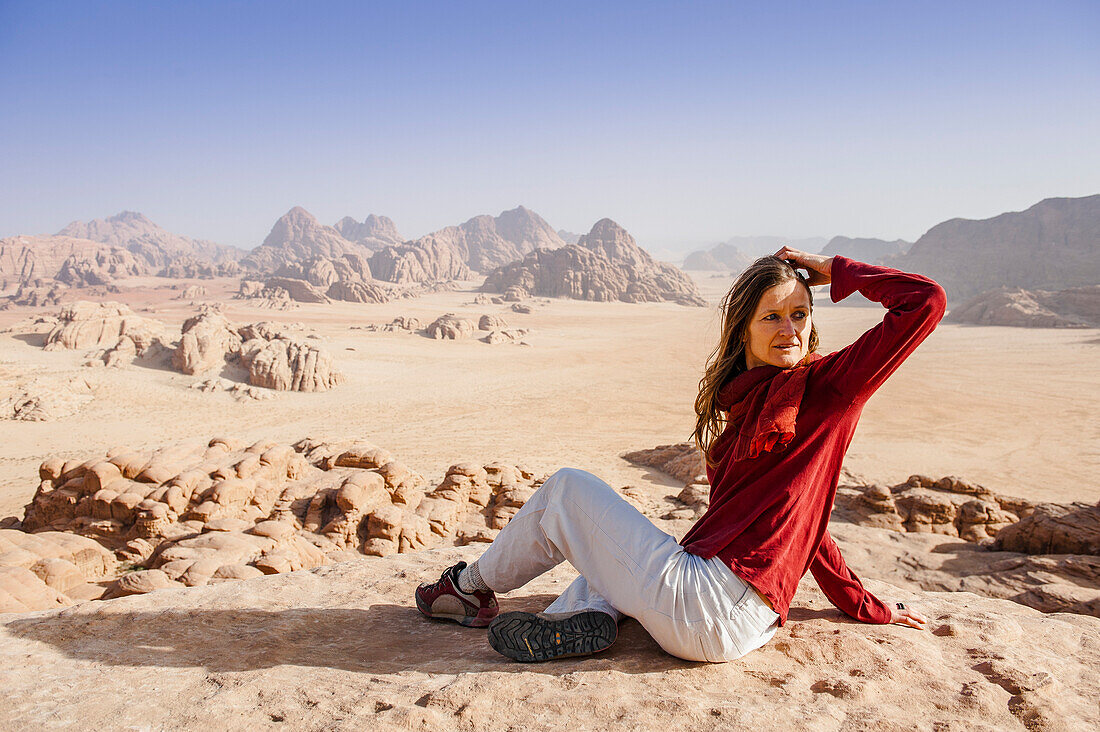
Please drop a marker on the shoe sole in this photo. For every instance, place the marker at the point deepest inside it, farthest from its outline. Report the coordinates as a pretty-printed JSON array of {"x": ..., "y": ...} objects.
[{"x": 527, "y": 637}]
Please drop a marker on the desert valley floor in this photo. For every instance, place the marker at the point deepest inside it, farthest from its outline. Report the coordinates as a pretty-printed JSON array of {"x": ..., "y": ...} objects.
[{"x": 1016, "y": 410}]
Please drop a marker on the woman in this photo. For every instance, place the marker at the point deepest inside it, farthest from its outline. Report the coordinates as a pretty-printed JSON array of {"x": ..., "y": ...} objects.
[{"x": 774, "y": 419}]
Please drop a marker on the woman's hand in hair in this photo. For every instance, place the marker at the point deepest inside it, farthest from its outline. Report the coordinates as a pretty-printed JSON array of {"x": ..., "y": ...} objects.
[
  {"x": 819, "y": 267},
  {"x": 905, "y": 616}
]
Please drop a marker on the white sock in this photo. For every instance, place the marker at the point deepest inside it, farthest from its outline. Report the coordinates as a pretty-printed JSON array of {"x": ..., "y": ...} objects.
[{"x": 469, "y": 580}]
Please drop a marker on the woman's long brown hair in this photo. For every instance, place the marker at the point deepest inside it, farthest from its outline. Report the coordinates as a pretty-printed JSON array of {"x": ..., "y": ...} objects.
[{"x": 727, "y": 360}]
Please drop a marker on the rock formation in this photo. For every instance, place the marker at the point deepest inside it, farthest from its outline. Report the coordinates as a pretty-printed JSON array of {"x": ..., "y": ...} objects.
[
  {"x": 207, "y": 341},
  {"x": 451, "y": 327},
  {"x": 1053, "y": 528},
  {"x": 101, "y": 251},
  {"x": 84, "y": 325},
  {"x": 190, "y": 515},
  {"x": 428, "y": 259},
  {"x": 486, "y": 242},
  {"x": 605, "y": 265},
  {"x": 192, "y": 292},
  {"x": 284, "y": 364},
  {"x": 400, "y": 324},
  {"x": 682, "y": 461},
  {"x": 50, "y": 569},
  {"x": 1076, "y": 307},
  {"x": 507, "y": 335},
  {"x": 296, "y": 289},
  {"x": 298, "y": 237},
  {"x": 161, "y": 250},
  {"x": 491, "y": 322},
  {"x": 375, "y": 232},
  {"x": 1050, "y": 246}
]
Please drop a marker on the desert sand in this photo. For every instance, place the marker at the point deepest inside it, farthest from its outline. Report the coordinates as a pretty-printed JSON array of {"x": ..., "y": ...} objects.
[{"x": 1016, "y": 410}]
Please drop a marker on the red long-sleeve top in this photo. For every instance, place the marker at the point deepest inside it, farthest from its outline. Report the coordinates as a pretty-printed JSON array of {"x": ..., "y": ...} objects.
[{"x": 768, "y": 515}]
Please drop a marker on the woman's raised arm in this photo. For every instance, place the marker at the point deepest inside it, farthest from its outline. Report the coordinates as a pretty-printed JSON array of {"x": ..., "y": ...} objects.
[{"x": 916, "y": 305}]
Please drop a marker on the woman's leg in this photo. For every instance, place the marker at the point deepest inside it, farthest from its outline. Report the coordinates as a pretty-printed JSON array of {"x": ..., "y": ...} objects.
[{"x": 623, "y": 557}]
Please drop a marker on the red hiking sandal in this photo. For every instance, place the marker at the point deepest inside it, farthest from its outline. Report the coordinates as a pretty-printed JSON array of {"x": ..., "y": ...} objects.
[{"x": 443, "y": 600}]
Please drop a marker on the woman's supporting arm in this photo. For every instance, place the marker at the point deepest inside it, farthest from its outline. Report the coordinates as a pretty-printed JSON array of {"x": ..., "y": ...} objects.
[
  {"x": 916, "y": 304},
  {"x": 843, "y": 588}
]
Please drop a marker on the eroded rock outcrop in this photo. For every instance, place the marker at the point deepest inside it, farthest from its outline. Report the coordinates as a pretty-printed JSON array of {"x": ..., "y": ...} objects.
[
  {"x": 605, "y": 265},
  {"x": 430, "y": 259},
  {"x": 451, "y": 327},
  {"x": 285, "y": 364},
  {"x": 189, "y": 515},
  {"x": 206, "y": 342},
  {"x": 1054, "y": 528},
  {"x": 84, "y": 325},
  {"x": 50, "y": 569}
]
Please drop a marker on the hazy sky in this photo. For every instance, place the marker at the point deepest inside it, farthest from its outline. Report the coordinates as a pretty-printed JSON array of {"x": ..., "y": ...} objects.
[{"x": 685, "y": 122}]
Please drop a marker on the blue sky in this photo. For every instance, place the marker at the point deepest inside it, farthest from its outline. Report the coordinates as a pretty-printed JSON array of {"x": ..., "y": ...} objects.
[{"x": 685, "y": 122}]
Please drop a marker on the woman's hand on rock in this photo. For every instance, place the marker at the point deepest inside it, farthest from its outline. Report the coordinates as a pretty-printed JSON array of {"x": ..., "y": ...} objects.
[
  {"x": 819, "y": 267},
  {"x": 905, "y": 616}
]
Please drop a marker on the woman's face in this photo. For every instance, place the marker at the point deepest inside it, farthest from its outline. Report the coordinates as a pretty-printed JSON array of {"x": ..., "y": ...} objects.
[{"x": 779, "y": 330}]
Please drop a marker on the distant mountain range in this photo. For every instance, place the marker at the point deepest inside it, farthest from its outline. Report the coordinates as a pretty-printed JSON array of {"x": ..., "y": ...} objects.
[
  {"x": 738, "y": 252},
  {"x": 1053, "y": 245},
  {"x": 872, "y": 251},
  {"x": 99, "y": 251}
]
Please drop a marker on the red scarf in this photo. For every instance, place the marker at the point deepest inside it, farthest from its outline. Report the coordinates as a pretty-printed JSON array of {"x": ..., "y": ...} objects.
[{"x": 763, "y": 405}]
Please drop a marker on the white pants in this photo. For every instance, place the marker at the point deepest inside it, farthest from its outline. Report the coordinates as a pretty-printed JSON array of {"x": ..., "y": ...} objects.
[{"x": 695, "y": 608}]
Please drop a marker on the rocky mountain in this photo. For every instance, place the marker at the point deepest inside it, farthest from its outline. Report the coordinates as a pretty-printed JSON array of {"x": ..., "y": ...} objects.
[
  {"x": 298, "y": 237},
  {"x": 375, "y": 232},
  {"x": 100, "y": 251},
  {"x": 721, "y": 257},
  {"x": 39, "y": 260},
  {"x": 604, "y": 265},
  {"x": 486, "y": 242},
  {"x": 873, "y": 251},
  {"x": 1075, "y": 307},
  {"x": 1053, "y": 245},
  {"x": 135, "y": 232}
]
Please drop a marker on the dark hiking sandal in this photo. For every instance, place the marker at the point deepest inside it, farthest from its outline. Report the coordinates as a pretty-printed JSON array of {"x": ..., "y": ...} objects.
[
  {"x": 443, "y": 600},
  {"x": 531, "y": 637}
]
